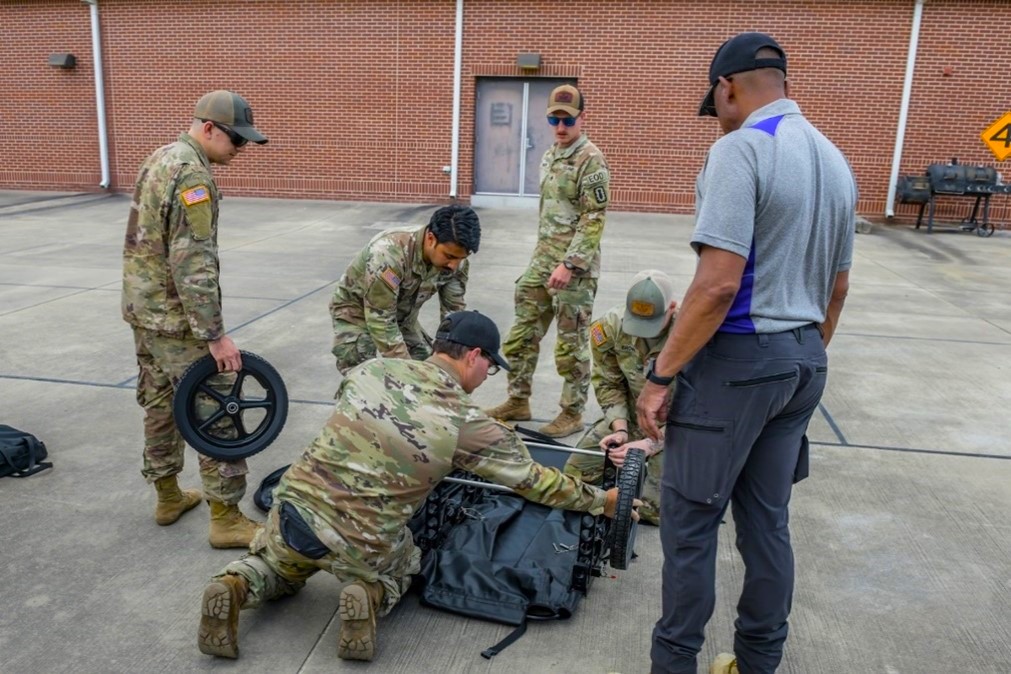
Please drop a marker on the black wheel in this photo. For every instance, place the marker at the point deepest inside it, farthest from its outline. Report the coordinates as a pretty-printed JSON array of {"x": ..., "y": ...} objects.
[
  {"x": 234, "y": 423},
  {"x": 623, "y": 527},
  {"x": 986, "y": 230}
]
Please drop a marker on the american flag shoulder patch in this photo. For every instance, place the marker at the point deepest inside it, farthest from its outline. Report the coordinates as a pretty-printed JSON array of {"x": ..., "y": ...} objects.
[
  {"x": 391, "y": 278},
  {"x": 195, "y": 195},
  {"x": 597, "y": 334}
]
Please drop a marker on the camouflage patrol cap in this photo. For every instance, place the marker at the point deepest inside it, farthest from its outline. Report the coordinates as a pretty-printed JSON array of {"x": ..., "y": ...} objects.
[
  {"x": 565, "y": 98},
  {"x": 473, "y": 329},
  {"x": 646, "y": 304},
  {"x": 230, "y": 109}
]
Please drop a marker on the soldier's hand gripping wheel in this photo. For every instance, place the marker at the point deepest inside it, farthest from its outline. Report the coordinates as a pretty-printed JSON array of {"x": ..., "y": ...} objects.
[
  {"x": 230, "y": 416},
  {"x": 623, "y": 527}
]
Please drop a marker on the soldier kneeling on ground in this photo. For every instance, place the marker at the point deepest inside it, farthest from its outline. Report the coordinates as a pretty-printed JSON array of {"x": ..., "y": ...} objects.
[
  {"x": 622, "y": 343},
  {"x": 398, "y": 428}
]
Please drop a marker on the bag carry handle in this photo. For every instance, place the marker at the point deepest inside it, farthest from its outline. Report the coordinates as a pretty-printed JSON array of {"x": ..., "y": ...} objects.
[
  {"x": 510, "y": 639},
  {"x": 33, "y": 447}
]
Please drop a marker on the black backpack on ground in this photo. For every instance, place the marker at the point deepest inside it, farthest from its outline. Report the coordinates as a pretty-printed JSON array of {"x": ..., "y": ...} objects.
[
  {"x": 496, "y": 557},
  {"x": 21, "y": 454}
]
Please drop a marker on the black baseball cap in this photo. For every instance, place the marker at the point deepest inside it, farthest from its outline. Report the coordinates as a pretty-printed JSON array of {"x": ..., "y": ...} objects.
[
  {"x": 737, "y": 55},
  {"x": 473, "y": 329},
  {"x": 230, "y": 109}
]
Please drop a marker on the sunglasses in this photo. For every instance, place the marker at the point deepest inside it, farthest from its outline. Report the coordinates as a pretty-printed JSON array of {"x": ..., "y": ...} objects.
[
  {"x": 237, "y": 140},
  {"x": 493, "y": 367},
  {"x": 565, "y": 121}
]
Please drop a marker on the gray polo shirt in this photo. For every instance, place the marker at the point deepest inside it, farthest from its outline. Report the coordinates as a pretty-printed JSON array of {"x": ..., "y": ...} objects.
[{"x": 782, "y": 196}]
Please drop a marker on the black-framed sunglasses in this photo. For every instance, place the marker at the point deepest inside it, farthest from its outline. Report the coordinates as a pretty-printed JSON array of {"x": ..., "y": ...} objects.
[
  {"x": 566, "y": 121},
  {"x": 237, "y": 140},
  {"x": 493, "y": 367}
]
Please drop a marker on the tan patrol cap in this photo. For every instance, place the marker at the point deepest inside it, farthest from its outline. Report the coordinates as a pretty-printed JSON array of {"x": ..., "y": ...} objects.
[
  {"x": 230, "y": 109},
  {"x": 646, "y": 304},
  {"x": 565, "y": 98}
]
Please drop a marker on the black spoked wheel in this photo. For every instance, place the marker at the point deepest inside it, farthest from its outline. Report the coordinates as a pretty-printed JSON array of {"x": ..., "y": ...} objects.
[
  {"x": 230, "y": 416},
  {"x": 986, "y": 230},
  {"x": 630, "y": 480}
]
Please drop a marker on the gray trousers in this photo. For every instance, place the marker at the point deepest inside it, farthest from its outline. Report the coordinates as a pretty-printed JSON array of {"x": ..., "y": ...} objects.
[{"x": 735, "y": 434}]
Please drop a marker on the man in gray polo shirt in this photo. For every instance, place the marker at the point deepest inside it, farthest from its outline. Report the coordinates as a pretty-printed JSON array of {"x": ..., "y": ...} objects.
[{"x": 774, "y": 233}]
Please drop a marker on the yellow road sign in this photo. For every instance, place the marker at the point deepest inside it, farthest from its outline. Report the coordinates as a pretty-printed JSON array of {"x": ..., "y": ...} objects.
[{"x": 997, "y": 137}]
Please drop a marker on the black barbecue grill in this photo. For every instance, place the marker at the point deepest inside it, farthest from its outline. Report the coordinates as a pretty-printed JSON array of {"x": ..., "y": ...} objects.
[{"x": 956, "y": 180}]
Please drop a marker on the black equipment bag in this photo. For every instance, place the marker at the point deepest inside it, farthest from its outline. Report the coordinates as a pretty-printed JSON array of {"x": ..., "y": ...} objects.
[
  {"x": 508, "y": 560},
  {"x": 264, "y": 496},
  {"x": 502, "y": 559},
  {"x": 21, "y": 454}
]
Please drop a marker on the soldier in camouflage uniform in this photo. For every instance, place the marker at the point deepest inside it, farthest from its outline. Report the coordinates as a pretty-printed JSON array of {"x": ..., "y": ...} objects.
[
  {"x": 622, "y": 341},
  {"x": 377, "y": 301},
  {"x": 398, "y": 428},
  {"x": 172, "y": 300},
  {"x": 561, "y": 280}
]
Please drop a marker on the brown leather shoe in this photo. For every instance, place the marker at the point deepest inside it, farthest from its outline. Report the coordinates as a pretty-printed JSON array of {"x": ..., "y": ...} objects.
[
  {"x": 173, "y": 501},
  {"x": 359, "y": 602},
  {"x": 219, "y": 616},
  {"x": 566, "y": 423}
]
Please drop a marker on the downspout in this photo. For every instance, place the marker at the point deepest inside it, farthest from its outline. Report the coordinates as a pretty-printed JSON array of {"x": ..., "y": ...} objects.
[
  {"x": 457, "y": 76},
  {"x": 907, "y": 90},
  {"x": 96, "y": 52}
]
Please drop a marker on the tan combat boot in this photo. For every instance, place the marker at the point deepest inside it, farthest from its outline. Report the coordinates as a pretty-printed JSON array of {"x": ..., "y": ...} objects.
[
  {"x": 359, "y": 602},
  {"x": 514, "y": 409},
  {"x": 172, "y": 501},
  {"x": 566, "y": 423},
  {"x": 229, "y": 527},
  {"x": 219, "y": 616},
  {"x": 725, "y": 663}
]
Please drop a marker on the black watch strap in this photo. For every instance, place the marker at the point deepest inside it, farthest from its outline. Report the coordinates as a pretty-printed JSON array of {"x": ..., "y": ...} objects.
[
  {"x": 568, "y": 265},
  {"x": 654, "y": 377}
]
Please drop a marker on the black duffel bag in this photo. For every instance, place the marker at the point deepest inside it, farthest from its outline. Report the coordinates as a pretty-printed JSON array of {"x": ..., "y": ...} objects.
[{"x": 21, "y": 454}]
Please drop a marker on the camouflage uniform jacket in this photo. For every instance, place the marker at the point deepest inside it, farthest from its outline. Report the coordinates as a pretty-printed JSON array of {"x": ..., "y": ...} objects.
[
  {"x": 385, "y": 285},
  {"x": 575, "y": 191},
  {"x": 398, "y": 428},
  {"x": 170, "y": 259},
  {"x": 618, "y": 372}
]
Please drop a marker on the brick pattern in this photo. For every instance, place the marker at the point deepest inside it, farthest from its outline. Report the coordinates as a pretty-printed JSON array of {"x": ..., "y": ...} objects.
[{"x": 356, "y": 96}]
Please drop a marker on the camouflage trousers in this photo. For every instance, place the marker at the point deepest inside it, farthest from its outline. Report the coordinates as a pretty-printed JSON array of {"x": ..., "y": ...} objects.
[
  {"x": 163, "y": 360},
  {"x": 352, "y": 344},
  {"x": 273, "y": 569},
  {"x": 535, "y": 309},
  {"x": 591, "y": 470}
]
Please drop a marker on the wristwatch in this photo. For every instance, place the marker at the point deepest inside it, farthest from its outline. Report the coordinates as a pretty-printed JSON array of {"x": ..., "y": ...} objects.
[
  {"x": 654, "y": 377},
  {"x": 568, "y": 265}
]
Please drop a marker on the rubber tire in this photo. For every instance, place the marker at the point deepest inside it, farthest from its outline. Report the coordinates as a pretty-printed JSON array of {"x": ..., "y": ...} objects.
[
  {"x": 623, "y": 527},
  {"x": 258, "y": 440},
  {"x": 986, "y": 230}
]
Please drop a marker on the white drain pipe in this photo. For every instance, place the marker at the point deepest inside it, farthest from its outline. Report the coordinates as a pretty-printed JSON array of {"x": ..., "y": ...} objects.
[
  {"x": 454, "y": 168},
  {"x": 96, "y": 53},
  {"x": 907, "y": 90}
]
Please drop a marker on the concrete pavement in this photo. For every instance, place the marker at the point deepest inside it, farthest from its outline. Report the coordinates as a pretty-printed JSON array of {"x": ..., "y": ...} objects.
[{"x": 901, "y": 533}]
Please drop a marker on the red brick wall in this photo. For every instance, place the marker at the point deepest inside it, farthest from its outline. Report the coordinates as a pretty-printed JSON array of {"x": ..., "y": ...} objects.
[{"x": 356, "y": 96}]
